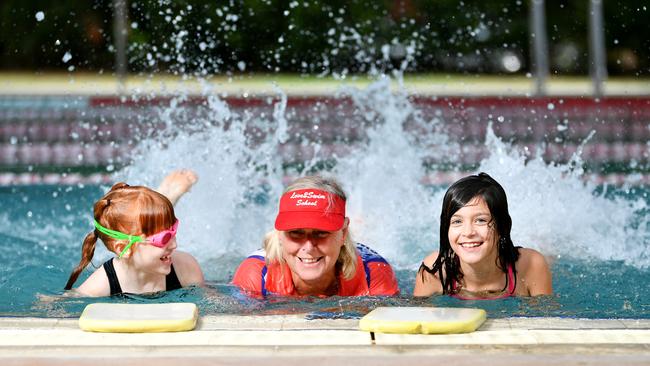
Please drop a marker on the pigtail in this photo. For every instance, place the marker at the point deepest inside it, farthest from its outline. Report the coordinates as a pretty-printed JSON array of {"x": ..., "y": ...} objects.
[
  {"x": 87, "y": 252},
  {"x": 88, "y": 246}
]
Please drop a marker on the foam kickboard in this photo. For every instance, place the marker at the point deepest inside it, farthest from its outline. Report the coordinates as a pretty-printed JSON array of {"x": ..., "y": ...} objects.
[
  {"x": 422, "y": 320},
  {"x": 139, "y": 318}
]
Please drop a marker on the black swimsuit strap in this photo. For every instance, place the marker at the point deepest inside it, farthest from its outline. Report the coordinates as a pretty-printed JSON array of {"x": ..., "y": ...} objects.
[
  {"x": 114, "y": 283},
  {"x": 171, "y": 281}
]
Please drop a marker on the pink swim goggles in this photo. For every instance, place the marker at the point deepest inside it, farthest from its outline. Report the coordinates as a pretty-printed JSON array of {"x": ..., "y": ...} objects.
[{"x": 160, "y": 239}]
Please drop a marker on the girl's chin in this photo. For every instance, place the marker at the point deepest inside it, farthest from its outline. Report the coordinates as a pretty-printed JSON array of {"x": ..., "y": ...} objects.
[{"x": 471, "y": 256}]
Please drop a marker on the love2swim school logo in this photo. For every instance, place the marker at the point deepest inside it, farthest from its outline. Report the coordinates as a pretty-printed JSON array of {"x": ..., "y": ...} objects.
[{"x": 308, "y": 198}]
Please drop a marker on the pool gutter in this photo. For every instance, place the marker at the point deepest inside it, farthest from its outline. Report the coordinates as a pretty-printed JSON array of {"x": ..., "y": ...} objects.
[{"x": 291, "y": 339}]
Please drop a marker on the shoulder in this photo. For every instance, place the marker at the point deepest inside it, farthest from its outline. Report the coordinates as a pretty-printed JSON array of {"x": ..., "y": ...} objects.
[
  {"x": 534, "y": 273},
  {"x": 530, "y": 260},
  {"x": 382, "y": 280},
  {"x": 187, "y": 269},
  {"x": 249, "y": 274},
  {"x": 430, "y": 259},
  {"x": 426, "y": 283},
  {"x": 368, "y": 254},
  {"x": 95, "y": 285}
]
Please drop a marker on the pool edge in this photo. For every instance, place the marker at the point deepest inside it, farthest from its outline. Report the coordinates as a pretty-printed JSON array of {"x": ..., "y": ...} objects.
[{"x": 291, "y": 339}]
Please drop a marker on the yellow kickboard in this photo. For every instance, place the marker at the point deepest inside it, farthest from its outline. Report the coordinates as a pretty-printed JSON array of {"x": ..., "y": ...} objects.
[
  {"x": 417, "y": 320},
  {"x": 139, "y": 318}
]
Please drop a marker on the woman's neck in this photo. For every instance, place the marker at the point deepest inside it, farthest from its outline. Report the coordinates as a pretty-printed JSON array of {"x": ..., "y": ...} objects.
[{"x": 326, "y": 286}]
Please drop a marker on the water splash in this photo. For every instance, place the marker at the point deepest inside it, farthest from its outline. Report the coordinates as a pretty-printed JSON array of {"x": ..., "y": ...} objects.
[
  {"x": 554, "y": 208},
  {"x": 389, "y": 207},
  {"x": 221, "y": 214},
  {"x": 557, "y": 211}
]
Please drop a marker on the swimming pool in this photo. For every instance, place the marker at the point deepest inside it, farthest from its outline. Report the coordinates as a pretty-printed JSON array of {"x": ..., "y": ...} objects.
[
  {"x": 43, "y": 245},
  {"x": 394, "y": 154}
]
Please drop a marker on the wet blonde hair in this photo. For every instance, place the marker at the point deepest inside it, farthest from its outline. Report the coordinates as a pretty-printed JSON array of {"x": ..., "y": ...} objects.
[{"x": 347, "y": 260}]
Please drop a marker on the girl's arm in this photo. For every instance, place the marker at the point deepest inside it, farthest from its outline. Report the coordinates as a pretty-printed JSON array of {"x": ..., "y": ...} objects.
[
  {"x": 535, "y": 272},
  {"x": 187, "y": 269},
  {"x": 177, "y": 183},
  {"x": 427, "y": 284},
  {"x": 96, "y": 285}
]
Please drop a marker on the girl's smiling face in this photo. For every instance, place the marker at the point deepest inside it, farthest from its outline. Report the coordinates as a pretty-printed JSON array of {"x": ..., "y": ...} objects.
[
  {"x": 471, "y": 233},
  {"x": 152, "y": 259}
]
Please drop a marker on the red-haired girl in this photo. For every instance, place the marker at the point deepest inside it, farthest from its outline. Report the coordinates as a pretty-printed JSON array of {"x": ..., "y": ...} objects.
[{"x": 138, "y": 224}]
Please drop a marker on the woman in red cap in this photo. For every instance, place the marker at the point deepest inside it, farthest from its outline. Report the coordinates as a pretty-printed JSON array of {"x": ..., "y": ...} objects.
[{"x": 310, "y": 252}]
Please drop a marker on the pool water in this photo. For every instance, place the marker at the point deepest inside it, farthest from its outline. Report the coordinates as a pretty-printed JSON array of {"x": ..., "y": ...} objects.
[
  {"x": 42, "y": 227},
  {"x": 387, "y": 151}
]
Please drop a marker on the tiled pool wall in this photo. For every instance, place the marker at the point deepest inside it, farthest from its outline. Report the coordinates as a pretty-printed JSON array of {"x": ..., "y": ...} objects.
[{"x": 86, "y": 137}]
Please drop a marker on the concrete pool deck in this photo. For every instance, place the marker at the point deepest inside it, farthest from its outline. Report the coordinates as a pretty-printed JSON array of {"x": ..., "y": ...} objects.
[{"x": 293, "y": 340}]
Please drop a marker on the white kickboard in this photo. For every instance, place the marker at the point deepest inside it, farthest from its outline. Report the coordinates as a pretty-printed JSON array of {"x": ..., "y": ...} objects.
[
  {"x": 422, "y": 320},
  {"x": 139, "y": 318}
]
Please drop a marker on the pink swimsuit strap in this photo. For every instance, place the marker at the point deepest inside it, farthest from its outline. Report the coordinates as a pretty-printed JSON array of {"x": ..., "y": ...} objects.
[{"x": 511, "y": 289}]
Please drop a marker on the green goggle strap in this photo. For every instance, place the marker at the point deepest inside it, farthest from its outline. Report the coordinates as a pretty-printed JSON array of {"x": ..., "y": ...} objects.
[{"x": 119, "y": 236}]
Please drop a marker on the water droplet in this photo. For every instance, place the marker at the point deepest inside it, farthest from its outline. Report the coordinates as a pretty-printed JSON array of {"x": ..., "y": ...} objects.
[{"x": 550, "y": 106}]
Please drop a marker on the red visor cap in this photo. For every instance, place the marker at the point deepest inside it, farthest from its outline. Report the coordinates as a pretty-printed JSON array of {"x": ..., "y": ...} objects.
[{"x": 310, "y": 209}]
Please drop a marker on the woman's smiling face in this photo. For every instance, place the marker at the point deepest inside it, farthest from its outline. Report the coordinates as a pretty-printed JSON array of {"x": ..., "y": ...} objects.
[
  {"x": 471, "y": 232},
  {"x": 311, "y": 254}
]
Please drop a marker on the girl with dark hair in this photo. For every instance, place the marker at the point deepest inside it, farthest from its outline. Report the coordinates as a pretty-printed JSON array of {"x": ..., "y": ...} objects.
[
  {"x": 477, "y": 259},
  {"x": 139, "y": 226}
]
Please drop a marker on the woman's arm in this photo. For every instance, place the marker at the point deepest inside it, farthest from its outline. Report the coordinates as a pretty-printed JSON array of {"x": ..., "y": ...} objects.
[{"x": 427, "y": 284}]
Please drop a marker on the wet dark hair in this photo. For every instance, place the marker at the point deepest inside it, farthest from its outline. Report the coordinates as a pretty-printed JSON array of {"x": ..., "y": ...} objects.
[{"x": 458, "y": 195}]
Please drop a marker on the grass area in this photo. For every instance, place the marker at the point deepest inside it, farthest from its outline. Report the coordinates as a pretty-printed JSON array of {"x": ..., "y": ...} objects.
[{"x": 23, "y": 83}]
